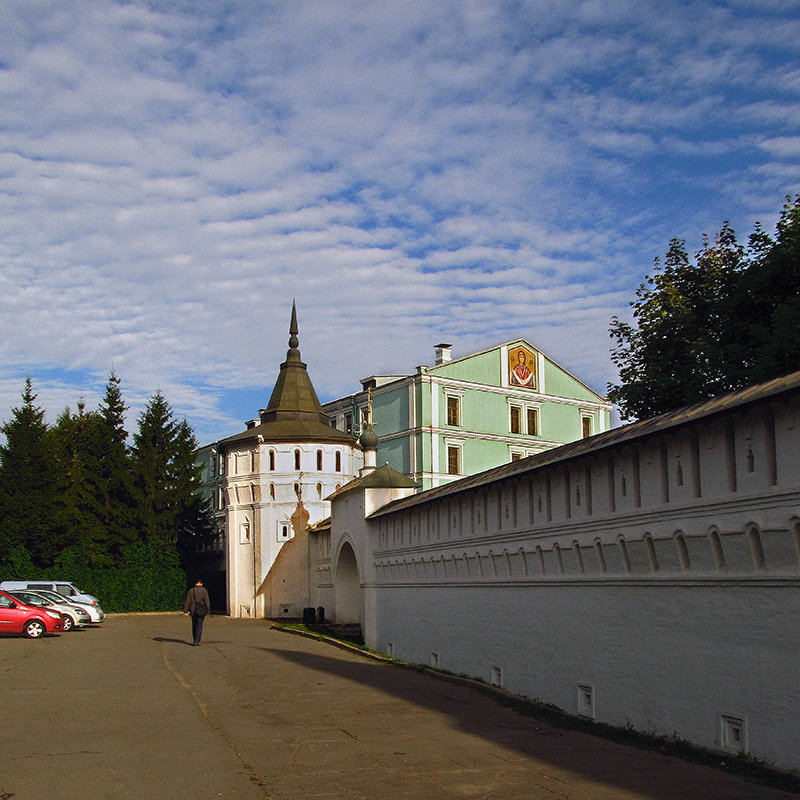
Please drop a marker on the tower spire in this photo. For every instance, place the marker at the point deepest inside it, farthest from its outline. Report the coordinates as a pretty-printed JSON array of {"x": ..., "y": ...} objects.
[{"x": 293, "y": 340}]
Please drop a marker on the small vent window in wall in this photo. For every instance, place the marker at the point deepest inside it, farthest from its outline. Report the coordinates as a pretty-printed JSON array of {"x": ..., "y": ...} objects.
[
  {"x": 244, "y": 531},
  {"x": 453, "y": 410}
]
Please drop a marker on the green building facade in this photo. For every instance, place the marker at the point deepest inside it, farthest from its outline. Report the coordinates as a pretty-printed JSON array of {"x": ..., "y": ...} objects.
[{"x": 465, "y": 415}]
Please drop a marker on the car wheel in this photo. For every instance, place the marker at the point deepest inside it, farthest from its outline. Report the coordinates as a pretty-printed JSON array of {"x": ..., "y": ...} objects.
[
  {"x": 69, "y": 623},
  {"x": 34, "y": 629}
]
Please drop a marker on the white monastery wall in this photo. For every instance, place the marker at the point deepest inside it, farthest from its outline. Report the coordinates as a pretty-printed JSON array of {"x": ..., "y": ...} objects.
[{"x": 654, "y": 583}]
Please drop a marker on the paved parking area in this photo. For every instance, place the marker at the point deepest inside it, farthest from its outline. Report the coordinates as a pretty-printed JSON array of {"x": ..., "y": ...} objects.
[{"x": 130, "y": 709}]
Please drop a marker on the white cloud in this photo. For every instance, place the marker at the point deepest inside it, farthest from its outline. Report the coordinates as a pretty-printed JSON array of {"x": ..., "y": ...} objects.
[{"x": 170, "y": 179}]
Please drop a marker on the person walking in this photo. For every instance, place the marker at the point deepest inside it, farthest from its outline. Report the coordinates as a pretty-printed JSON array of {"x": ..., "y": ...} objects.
[{"x": 197, "y": 605}]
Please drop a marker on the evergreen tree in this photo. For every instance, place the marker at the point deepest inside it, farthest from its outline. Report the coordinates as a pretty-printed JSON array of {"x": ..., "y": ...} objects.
[
  {"x": 73, "y": 440},
  {"x": 28, "y": 485},
  {"x": 113, "y": 471},
  {"x": 166, "y": 478}
]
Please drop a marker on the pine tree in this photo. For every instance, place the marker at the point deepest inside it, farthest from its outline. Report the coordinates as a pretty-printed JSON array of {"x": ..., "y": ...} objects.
[
  {"x": 113, "y": 472},
  {"x": 28, "y": 484},
  {"x": 166, "y": 478},
  {"x": 73, "y": 439}
]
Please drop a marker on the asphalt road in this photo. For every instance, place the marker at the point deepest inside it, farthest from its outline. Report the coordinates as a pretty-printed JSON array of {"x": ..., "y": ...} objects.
[{"x": 131, "y": 710}]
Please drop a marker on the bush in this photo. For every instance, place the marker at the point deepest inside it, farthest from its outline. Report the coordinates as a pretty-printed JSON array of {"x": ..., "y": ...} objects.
[{"x": 150, "y": 579}]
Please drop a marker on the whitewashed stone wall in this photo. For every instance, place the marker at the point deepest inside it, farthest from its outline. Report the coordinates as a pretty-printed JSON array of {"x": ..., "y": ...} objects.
[{"x": 654, "y": 582}]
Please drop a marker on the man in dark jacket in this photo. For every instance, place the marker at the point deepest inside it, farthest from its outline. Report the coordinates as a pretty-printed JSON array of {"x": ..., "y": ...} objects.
[{"x": 197, "y": 605}]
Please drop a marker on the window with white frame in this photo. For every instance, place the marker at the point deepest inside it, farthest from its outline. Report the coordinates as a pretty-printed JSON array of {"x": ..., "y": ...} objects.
[
  {"x": 587, "y": 424},
  {"x": 284, "y": 530},
  {"x": 453, "y": 407},
  {"x": 454, "y": 452},
  {"x": 524, "y": 418},
  {"x": 532, "y": 418},
  {"x": 244, "y": 531}
]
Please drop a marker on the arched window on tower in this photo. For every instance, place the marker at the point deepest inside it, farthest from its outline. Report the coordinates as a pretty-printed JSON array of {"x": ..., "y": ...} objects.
[
  {"x": 319, "y": 460},
  {"x": 338, "y": 460},
  {"x": 297, "y": 459},
  {"x": 272, "y": 461}
]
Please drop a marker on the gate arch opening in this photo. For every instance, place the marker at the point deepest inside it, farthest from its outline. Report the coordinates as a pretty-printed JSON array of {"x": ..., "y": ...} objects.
[{"x": 347, "y": 585}]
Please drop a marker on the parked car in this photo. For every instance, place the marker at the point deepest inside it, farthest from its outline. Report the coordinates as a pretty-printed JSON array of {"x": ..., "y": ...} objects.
[
  {"x": 95, "y": 612},
  {"x": 66, "y": 588},
  {"x": 73, "y": 616},
  {"x": 31, "y": 621}
]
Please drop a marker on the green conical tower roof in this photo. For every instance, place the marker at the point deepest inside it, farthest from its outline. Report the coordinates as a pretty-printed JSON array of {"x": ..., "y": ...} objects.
[
  {"x": 293, "y": 396},
  {"x": 294, "y": 413}
]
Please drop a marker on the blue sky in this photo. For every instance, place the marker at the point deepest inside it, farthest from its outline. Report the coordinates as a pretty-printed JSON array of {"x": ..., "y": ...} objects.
[{"x": 172, "y": 174}]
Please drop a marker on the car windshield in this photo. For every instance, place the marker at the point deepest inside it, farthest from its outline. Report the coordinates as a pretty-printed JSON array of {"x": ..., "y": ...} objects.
[
  {"x": 56, "y": 598},
  {"x": 33, "y": 599}
]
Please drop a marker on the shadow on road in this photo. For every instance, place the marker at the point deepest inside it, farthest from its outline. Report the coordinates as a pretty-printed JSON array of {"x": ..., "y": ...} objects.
[
  {"x": 649, "y": 773},
  {"x": 173, "y": 641}
]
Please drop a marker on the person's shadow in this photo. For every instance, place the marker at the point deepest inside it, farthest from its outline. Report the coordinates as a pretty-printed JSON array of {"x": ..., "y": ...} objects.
[{"x": 174, "y": 641}]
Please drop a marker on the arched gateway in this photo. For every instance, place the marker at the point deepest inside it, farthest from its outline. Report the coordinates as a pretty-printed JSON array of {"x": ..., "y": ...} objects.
[{"x": 347, "y": 585}]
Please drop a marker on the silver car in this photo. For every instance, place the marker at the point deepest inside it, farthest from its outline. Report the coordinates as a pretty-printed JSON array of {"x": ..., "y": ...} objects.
[
  {"x": 73, "y": 616},
  {"x": 96, "y": 614}
]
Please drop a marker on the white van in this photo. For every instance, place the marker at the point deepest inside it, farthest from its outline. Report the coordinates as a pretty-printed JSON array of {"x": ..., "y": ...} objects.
[{"x": 67, "y": 588}]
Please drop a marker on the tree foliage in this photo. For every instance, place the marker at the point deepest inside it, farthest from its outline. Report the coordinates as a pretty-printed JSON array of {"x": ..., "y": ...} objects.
[
  {"x": 709, "y": 325},
  {"x": 77, "y": 499},
  {"x": 166, "y": 478},
  {"x": 28, "y": 483}
]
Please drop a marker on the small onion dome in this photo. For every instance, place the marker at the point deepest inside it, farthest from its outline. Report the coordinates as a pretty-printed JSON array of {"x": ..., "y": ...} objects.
[{"x": 368, "y": 439}]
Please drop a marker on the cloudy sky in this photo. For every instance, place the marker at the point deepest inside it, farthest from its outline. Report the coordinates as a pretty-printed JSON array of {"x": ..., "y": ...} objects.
[{"x": 172, "y": 174}]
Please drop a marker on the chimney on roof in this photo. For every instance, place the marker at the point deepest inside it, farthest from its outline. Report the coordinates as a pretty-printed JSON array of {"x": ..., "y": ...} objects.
[{"x": 442, "y": 353}]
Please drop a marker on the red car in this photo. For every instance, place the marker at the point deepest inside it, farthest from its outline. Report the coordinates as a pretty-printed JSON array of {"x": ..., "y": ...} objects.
[{"x": 31, "y": 621}]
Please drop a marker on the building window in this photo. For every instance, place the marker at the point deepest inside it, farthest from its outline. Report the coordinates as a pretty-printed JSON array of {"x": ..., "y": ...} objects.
[
  {"x": 586, "y": 425},
  {"x": 272, "y": 491},
  {"x": 284, "y": 531},
  {"x": 453, "y": 410},
  {"x": 319, "y": 460},
  {"x": 332, "y": 421},
  {"x": 517, "y": 456},
  {"x": 533, "y": 422},
  {"x": 272, "y": 461},
  {"x": 515, "y": 424},
  {"x": 348, "y": 423},
  {"x": 244, "y": 532},
  {"x": 297, "y": 459},
  {"x": 319, "y": 490},
  {"x": 453, "y": 460},
  {"x": 338, "y": 461}
]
